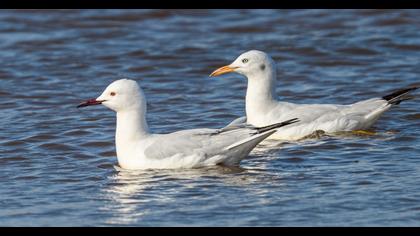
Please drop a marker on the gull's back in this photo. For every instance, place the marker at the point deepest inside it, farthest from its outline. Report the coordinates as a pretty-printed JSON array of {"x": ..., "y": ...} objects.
[
  {"x": 196, "y": 147},
  {"x": 329, "y": 118}
]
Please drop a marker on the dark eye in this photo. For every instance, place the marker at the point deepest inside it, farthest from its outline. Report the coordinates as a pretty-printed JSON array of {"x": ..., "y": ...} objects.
[
  {"x": 245, "y": 60},
  {"x": 112, "y": 94}
]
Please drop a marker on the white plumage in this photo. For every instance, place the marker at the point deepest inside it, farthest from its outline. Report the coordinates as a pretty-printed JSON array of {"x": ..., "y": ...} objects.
[
  {"x": 262, "y": 107},
  {"x": 137, "y": 148}
]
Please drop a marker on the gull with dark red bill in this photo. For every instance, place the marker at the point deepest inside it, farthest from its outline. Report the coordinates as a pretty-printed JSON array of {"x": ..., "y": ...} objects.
[
  {"x": 138, "y": 148},
  {"x": 90, "y": 102},
  {"x": 263, "y": 108}
]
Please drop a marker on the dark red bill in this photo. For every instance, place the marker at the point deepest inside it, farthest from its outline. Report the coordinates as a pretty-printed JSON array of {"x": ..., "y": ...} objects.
[{"x": 90, "y": 102}]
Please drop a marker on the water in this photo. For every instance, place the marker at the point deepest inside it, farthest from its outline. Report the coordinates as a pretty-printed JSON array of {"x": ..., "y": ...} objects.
[{"x": 57, "y": 162}]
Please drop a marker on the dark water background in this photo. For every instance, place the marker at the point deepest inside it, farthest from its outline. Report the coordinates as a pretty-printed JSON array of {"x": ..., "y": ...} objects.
[{"x": 57, "y": 162}]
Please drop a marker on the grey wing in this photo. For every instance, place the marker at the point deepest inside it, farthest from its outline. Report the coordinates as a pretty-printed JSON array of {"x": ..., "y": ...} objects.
[{"x": 205, "y": 142}]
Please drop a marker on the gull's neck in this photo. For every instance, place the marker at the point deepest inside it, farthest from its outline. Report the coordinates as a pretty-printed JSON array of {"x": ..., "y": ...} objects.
[
  {"x": 131, "y": 128},
  {"x": 131, "y": 125},
  {"x": 260, "y": 94}
]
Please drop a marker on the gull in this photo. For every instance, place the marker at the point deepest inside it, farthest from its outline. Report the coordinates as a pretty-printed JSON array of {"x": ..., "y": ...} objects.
[
  {"x": 138, "y": 148},
  {"x": 263, "y": 108}
]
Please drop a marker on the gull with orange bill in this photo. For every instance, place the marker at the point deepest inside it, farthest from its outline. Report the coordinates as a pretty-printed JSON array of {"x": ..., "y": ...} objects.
[{"x": 263, "y": 108}]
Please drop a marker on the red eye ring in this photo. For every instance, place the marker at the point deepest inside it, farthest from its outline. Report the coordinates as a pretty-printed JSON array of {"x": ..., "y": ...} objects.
[{"x": 112, "y": 93}]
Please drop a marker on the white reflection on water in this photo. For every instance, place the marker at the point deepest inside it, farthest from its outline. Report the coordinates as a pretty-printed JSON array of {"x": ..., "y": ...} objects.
[{"x": 132, "y": 192}]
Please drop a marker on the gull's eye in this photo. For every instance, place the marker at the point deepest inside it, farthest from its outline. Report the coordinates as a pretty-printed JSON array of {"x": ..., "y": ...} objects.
[
  {"x": 245, "y": 60},
  {"x": 112, "y": 94}
]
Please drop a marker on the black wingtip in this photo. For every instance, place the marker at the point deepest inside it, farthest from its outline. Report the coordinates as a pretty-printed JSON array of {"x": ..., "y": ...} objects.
[
  {"x": 398, "y": 96},
  {"x": 277, "y": 125}
]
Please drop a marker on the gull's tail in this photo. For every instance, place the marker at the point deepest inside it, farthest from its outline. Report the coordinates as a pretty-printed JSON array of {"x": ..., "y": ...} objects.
[
  {"x": 394, "y": 98},
  {"x": 262, "y": 133},
  {"x": 397, "y": 97}
]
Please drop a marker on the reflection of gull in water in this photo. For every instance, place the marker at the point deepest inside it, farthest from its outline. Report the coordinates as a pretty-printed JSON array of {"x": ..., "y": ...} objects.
[
  {"x": 124, "y": 192},
  {"x": 133, "y": 193}
]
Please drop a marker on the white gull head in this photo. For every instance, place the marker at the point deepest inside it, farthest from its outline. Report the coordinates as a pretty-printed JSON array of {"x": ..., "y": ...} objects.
[
  {"x": 253, "y": 64},
  {"x": 123, "y": 95}
]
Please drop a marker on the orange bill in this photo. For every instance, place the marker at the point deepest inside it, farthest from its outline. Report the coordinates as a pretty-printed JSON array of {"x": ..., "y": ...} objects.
[{"x": 223, "y": 70}]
